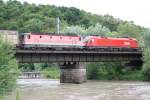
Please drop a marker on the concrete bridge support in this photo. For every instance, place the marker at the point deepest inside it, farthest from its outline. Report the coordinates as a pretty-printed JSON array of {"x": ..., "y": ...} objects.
[{"x": 72, "y": 72}]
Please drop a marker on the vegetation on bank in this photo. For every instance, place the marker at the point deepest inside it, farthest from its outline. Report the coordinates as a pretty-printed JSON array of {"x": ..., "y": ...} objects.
[
  {"x": 8, "y": 67},
  {"x": 51, "y": 72},
  {"x": 146, "y": 56},
  {"x": 112, "y": 71}
]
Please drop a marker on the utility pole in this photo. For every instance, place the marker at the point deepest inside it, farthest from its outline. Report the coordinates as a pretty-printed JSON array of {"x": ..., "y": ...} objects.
[{"x": 57, "y": 24}]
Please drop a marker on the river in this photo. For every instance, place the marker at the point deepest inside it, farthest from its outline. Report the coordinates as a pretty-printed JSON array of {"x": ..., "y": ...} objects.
[{"x": 49, "y": 89}]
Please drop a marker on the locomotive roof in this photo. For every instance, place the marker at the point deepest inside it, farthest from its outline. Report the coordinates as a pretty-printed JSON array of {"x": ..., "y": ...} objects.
[
  {"x": 56, "y": 34},
  {"x": 125, "y": 38}
]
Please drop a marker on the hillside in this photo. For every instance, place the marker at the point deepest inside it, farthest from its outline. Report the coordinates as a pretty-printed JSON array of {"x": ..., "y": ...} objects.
[{"x": 41, "y": 18}]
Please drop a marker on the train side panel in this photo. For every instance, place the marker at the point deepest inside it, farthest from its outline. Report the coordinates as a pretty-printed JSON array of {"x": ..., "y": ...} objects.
[{"x": 52, "y": 40}]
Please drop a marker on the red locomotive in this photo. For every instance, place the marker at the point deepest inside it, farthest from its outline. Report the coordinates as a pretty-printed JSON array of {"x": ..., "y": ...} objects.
[
  {"x": 65, "y": 41},
  {"x": 96, "y": 41}
]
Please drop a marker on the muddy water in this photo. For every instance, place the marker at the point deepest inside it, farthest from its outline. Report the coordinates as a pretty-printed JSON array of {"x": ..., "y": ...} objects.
[{"x": 46, "y": 89}]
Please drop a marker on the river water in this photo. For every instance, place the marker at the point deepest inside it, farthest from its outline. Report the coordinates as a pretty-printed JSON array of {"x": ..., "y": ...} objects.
[{"x": 48, "y": 89}]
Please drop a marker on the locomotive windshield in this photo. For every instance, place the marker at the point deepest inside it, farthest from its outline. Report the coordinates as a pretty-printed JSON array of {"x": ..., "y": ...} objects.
[{"x": 88, "y": 40}]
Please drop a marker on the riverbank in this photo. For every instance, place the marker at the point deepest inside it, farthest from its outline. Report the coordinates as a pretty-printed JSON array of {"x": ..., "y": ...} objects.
[
  {"x": 135, "y": 75},
  {"x": 130, "y": 75}
]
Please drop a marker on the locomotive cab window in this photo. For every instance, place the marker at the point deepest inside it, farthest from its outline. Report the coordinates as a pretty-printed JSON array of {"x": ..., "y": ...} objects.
[
  {"x": 86, "y": 40},
  {"x": 79, "y": 38},
  {"x": 28, "y": 36}
]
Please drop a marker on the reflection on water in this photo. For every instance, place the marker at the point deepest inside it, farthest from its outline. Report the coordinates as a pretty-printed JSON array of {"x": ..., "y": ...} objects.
[{"x": 46, "y": 89}]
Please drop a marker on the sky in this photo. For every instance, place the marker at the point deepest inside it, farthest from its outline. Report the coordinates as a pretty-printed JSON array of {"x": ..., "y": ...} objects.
[{"x": 130, "y": 10}]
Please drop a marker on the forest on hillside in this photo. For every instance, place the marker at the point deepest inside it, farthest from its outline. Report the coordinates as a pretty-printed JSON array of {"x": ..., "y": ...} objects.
[{"x": 25, "y": 17}]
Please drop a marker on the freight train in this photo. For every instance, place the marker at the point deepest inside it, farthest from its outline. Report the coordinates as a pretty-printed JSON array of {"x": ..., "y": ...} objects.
[{"x": 77, "y": 42}]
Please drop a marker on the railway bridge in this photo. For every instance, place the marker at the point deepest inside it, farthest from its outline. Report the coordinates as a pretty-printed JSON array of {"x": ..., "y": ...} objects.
[{"x": 71, "y": 60}]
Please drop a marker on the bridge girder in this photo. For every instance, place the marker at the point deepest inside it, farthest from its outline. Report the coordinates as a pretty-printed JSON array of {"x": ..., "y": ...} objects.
[{"x": 35, "y": 56}]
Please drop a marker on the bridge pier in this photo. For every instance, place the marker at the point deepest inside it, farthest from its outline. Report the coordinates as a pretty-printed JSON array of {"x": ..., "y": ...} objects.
[{"x": 72, "y": 72}]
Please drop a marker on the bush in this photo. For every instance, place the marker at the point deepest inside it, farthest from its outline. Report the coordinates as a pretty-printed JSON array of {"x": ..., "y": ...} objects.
[
  {"x": 97, "y": 29},
  {"x": 51, "y": 72},
  {"x": 8, "y": 67},
  {"x": 92, "y": 70},
  {"x": 104, "y": 71},
  {"x": 146, "y": 65},
  {"x": 146, "y": 56},
  {"x": 112, "y": 71},
  {"x": 132, "y": 75}
]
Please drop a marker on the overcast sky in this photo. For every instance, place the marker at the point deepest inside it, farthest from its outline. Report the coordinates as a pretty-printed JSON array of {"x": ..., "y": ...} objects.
[{"x": 131, "y": 10}]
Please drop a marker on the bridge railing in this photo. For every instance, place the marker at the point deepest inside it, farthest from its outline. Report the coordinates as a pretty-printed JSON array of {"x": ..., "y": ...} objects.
[
  {"x": 74, "y": 48},
  {"x": 30, "y": 75}
]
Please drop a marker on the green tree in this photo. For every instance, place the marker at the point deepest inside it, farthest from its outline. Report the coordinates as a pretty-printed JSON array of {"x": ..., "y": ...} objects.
[
  {"x": 92, "y": 30},
  {"x": 110, "y": 22},
  {"x": 27, "y": 17},
  {"x": 146, "y": 56},
  {"x": 98, "y": 29},
  {"x": 128, "y": 29},
  {"x": 146, "y": 37},
  {"x": 104, "y": 70},
  {"x": 33, "y": 25},
  {"x": 26, "y": 67},
  {"x": 73, "y": 16},
  {"x": 146, "y": 65},
  {"x": 49, "y": 24},
  {"x": 93, "y": 70},
  {"x": 74, "y": 29},
  {"x": 8, "y": 67}
]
